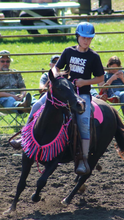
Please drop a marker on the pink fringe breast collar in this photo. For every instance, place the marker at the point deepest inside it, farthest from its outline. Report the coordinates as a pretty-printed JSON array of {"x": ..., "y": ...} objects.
[{"x": 48, "y": 151}]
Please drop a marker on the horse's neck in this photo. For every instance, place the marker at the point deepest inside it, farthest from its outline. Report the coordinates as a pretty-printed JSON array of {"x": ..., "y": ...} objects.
[
  {"x": 51, "y": 114},
  {"x": 48, "y": 124}
]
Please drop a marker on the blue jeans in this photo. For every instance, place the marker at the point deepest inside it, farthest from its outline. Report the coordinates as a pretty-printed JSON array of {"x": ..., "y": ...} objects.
[
  {"x": 37, "y": 105},
  {"x": 83, "y": 120},
  {"x": 8, "y": 102}
]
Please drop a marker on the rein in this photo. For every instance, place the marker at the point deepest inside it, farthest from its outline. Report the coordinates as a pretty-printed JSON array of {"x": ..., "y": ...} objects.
[{"x": 76, "y": 86}]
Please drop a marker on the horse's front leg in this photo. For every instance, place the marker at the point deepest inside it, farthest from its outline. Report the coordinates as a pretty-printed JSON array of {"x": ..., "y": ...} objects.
[
  {"x": 49, "y": 169},
  {"x": 26, "y": 166}
]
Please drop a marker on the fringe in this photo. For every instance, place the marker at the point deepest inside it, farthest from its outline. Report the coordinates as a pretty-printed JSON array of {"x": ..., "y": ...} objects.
[{"x": 46, "y": 152}]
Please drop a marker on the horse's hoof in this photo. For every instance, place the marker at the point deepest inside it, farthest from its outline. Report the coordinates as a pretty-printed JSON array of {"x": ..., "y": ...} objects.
[
  {"x": 82, "y": 188},
  {"x": 11, "y": 209},
  {"x": 64, "y": 203},
  {"x": 7, "y": 211},
  {"x": 35, "y": 198}
]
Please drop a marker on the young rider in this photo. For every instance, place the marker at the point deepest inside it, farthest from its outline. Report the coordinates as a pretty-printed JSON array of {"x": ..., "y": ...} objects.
[{"x": 82, "y": 62}]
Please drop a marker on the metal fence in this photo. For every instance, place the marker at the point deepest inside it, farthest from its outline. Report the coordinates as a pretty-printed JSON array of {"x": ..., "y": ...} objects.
[{"x": 88, "y": 18}]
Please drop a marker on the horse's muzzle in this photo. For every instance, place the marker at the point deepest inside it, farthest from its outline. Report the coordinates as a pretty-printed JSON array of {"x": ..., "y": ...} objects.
[{"x": 79, "y": 107}]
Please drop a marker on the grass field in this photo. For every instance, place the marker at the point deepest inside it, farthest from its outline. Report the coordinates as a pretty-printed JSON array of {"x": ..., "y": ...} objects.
[{"x": 57, "y": 44}]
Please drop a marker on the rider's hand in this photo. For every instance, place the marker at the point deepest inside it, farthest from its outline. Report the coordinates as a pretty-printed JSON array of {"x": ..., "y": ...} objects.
[{"x": 80, "y": 82}]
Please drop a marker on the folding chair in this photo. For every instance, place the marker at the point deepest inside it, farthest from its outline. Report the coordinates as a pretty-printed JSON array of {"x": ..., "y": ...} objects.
[{"x": 12, "y": 120}]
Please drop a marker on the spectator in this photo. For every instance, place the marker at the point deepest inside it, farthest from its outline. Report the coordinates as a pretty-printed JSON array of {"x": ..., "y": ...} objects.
[
  {"x": 105, "y": 7},
  {"x": 114, "y": 77},
  {"x": 12, "y": 81},
  {"x": 44, "y": 78}
]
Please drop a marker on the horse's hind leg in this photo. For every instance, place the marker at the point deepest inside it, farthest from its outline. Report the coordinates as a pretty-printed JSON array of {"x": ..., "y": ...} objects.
[
  {"x": 92, "y": 162},
  {"x": 81, "y": 181},
  {"x": 49, "y": 169},
  {"x": 26, "y": 166}
]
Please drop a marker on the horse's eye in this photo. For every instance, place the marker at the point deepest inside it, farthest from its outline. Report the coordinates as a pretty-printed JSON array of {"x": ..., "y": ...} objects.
[{"x": 59, "y": 89}]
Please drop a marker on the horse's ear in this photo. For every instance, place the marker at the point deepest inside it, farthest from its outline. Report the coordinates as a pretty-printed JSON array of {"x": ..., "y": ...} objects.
[{"x": 51, "y": 76}]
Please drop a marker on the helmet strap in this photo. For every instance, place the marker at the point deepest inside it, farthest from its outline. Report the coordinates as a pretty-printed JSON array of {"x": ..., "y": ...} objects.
[{"x": 77, "y": 35}]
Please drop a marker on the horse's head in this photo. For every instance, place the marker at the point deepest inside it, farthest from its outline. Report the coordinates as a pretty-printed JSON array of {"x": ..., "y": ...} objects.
[{"x": 63, "y": 90}]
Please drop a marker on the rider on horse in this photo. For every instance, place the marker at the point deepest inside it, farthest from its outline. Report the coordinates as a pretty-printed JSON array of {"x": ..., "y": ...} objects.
[{"x": 82, "y": 62}]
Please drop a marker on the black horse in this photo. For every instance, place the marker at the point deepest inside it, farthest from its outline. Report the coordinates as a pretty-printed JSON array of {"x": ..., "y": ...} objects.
[
  {"x": 50, "y": 128},
  {"x": 46, "y": 129}
]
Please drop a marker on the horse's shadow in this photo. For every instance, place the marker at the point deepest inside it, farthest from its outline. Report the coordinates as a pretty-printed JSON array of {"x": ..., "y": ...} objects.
[{"x": 86, "y": 213}]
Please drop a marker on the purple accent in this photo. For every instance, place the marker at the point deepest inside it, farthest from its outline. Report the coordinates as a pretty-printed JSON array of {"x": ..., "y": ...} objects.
[{"x": 97, "y": 112}]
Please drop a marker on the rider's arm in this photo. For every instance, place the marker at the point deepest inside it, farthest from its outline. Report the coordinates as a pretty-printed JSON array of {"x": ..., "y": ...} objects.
[
  {"x": 84, "y": 82},
  {"x": 56, "y": 71}
]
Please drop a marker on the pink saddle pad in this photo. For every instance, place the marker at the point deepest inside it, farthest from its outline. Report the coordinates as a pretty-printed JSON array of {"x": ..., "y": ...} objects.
[{"x": 97, "y": 112}]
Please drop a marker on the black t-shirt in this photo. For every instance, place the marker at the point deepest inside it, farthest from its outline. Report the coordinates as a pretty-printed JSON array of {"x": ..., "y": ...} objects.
[{"x": 81, "y": 65}]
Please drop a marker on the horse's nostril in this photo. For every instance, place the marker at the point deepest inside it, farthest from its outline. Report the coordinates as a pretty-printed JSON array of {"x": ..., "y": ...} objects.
[
  {"x": 82, "y": 104},
  {"x": 80, "y": 108}
]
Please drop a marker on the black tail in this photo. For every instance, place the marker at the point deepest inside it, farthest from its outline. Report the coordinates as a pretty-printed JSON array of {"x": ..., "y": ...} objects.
[{"x": 119, "y": 135}]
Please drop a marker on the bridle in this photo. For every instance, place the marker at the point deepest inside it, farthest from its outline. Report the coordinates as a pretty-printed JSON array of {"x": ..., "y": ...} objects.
[{"x": 55, "y": 101}]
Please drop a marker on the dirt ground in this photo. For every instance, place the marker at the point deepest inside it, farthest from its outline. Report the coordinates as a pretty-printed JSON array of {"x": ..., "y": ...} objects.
[{"x": 103, "y": 198}]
